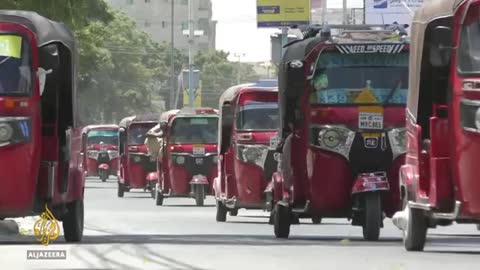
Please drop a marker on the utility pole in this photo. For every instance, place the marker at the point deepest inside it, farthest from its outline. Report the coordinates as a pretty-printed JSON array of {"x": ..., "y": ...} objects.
[
  {"x": 172, "y": 56},
  {"x": 190, "y": 54},
  {"x": 345, "y": 15},
  {"x": 239, "y": 55}
]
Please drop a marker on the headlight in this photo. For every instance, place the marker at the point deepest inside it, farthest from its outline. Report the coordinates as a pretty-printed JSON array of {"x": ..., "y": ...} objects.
[
  {"x": 92, "y": 154},
  {"x": 6, "y": 132},
  {"x": 215, "y": 159},
  {"x": 15, "y": 130},
  {"x": 113, "y": 154},
  {"x": 180, "y": 160},
  {"x": 256, "y": 154},
  {"x": 397, "y": 139},
  {"x": 336, "y": 139}
]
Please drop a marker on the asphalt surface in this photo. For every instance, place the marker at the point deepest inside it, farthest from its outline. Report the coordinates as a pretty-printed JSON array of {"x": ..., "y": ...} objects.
[{"x": 133, "y": 233}]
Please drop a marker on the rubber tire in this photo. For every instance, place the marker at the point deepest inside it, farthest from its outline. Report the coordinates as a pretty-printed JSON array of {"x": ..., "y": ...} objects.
[
  {"x": 478, "y": 227},
  {"x": 415, "y": 236},
  {"x": 373, "y": 217},
  {"x": 316, "y": 220},
  {"x": 73, "y": 221},
  {"x": 221, "y": 212},
  {"x": 233, "y": 212},
  {"x": 120, "y": 190},
  {"x": 158, "y": 198},
  {"x": 103, "y": 176},
  {"x": 199, "y": 195},
  {"x": 270, "y": 219},
  {"x": 281, "y": 221}
]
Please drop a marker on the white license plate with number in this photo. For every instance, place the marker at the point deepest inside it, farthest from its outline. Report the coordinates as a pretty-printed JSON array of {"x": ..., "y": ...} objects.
[
  {"x": 370, "y": 121},
  {"x": 199, "y": 150},
  {"x": 274, "y": 142}
]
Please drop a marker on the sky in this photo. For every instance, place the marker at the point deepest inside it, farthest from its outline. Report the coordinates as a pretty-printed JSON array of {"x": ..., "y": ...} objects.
[{"x": 237, "y": 31}]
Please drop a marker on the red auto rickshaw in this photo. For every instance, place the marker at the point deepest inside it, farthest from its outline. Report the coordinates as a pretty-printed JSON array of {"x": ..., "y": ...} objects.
[
  {"x": 342, "y": 95},
  {"x": 40, "y": 134},
  {"x": 439, "y": 181},
  {"x": 137, "y": 167},
  {"x": 189, "y": 155},
  {"x": 102, "y": 150},
  {"x": 247, "y": 141}
]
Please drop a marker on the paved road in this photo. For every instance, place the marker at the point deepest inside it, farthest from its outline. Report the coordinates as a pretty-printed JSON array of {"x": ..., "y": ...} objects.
[{"x": 133, "y": 233}]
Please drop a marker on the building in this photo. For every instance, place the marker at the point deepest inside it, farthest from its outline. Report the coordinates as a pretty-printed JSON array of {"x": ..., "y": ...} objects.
[{"x": 154, "y": 17}]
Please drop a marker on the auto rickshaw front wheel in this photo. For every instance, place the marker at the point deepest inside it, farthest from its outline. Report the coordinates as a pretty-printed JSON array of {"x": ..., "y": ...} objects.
[
  {"x": 316, "y": 219},
  {"x": 158, "y": 197},
  {"x": 281, "y": 221},
  {"x": 221, "y": 212},
  {"x": 415, "y": 235},
  {"x": 234, "y": 212},
  {"x": 373, "y": 216},
  {"x": 199, "y": 194},
  {"x": 73, "y": 221},
  {"x": 120, "y": 190}
]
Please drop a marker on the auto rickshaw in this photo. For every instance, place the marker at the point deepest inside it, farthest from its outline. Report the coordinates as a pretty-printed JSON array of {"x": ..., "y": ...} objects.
[
  {"x": 189, "y": 158},
  {"x": 439, "y": 179},
  {"x": 342, "y": 95},
  {"x": 40, "y": 134},
  {"x": 137, "y": 167},
  {"x": 102, "y": 150},
  {"x": 247, "y": 139}
]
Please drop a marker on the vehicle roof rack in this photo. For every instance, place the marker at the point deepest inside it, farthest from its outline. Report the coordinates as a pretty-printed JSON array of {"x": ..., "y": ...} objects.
[{"x": 325, "y": 30}]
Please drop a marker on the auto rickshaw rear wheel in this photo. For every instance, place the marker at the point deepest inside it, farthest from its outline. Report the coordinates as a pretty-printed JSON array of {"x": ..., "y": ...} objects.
[
  {"x": 120, "y": 190},
  {"x": 281, "y": 220},
  {"x": 373, "y": 216},
  {"x": 73, "y": 221},
  {"x": 158, "y": 197},
  {"x": 415, "y": 235},
  {"x": 316, "y": 219},
  {"x": 233, "y": 212},
  {"x": 221, "y": 212},
  {"x": 478, "y": 227}
]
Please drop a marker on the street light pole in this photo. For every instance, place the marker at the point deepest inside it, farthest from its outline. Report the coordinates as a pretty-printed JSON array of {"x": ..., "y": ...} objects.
[
  {"x": 190, "y": 54},
  {"x": 239, "y": 55},
  {"x": 172, "y": 57}
]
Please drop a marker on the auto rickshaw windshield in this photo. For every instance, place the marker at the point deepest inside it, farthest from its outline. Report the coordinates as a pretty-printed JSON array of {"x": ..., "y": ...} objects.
[
  {"x": 258, "y": 116},
  {"x": 137, "y": 133},
  {"x": 383, "y": 76},
  {"x": 194, "y": 130},
  {"x": 105, "y": 136},
  {"x": 15, "y": 66},
  {"x": 469, "y": 43}
]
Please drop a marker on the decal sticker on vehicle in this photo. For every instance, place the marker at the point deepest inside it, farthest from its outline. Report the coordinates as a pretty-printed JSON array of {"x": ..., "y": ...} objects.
[
  {"x": 11, "y": 46},
  {"x": 370, "y": 48},
  {"x": 370, "y": 140},
  {"x": 199, "y": 149}
]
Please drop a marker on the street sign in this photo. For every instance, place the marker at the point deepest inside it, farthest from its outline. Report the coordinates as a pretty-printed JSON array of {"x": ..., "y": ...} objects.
[
  {"x": 282, "y": 13},
  {"x": 390, "y": 11}
]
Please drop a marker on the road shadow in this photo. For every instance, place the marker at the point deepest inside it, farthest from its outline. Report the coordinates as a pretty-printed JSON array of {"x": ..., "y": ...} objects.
[{"x": 188, "y": 205}]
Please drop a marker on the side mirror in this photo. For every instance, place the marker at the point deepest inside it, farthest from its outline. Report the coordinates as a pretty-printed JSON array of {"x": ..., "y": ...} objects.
[
  {"x": 295, "y": 78},
  {"x": 441, "y": 39},
  {"x": 121, "y": 141}
]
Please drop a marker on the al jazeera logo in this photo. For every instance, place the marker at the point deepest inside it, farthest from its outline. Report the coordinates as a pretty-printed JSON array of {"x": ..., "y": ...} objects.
[{"x": 46, "y": 230}]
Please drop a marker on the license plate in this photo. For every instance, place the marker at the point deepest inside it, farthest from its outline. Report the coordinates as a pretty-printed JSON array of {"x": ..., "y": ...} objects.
[
  {"x": 274, "y": 142},
  {"x": 198, "y": 149},
  {"x": 367, "y": 120}
]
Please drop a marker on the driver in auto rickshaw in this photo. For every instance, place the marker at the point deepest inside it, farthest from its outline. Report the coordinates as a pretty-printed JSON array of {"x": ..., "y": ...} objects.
[{"x": 320, "y": 82}]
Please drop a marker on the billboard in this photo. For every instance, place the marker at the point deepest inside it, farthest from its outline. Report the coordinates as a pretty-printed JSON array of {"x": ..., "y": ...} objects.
[
  {"x": 282, "y": 13},
  {"x": 389, "y": 11}
]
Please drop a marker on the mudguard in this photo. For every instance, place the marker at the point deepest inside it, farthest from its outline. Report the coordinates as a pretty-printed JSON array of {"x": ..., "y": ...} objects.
[
  {"x": 104, "y": 166},
  {"x": 199, "y": 180},
  {"x": 152, "y": 177},
  {"x": 369, "y": 182}
]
